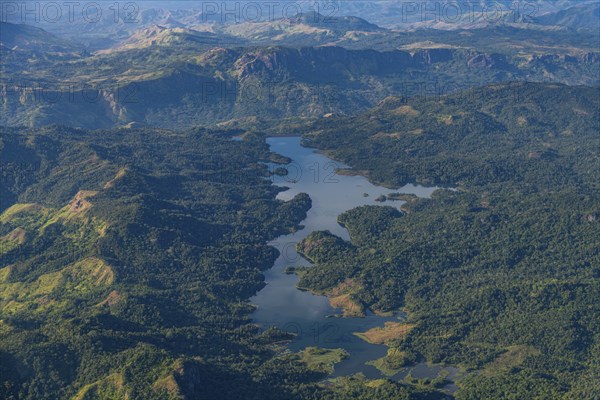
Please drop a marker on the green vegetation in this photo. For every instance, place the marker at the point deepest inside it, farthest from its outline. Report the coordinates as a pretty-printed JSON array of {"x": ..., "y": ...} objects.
[
  {"x": 438, "y": 381},
  {"x": 322, "y": 360},
  {"x": 127, "y": 256},
  {"x": 392, "y": 362},
  {"x": 127, "y": 259},
  {"x": 391, "y": 332},
  {"x": 402, "y": 197},
  {"x": 536, "y": 135},
  {"x": 357, "y": 387},
  {"x": 500, "y": 276}
]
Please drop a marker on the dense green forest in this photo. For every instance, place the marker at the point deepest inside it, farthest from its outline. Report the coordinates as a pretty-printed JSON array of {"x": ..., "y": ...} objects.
[
  {"x": 539, "y": 136},
  {"x": 138, "y": 201},
  {"x": 500, "y": 275},
  {"x": 128, "y": 257}
]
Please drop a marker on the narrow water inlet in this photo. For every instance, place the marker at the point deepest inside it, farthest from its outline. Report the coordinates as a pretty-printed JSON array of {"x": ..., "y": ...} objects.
[{"x": 280, "y": 303}]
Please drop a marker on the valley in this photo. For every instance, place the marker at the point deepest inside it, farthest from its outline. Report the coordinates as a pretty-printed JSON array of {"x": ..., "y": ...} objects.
[
  {"x": 338, "y": 200},
  {"x": 281, "y": 303}
]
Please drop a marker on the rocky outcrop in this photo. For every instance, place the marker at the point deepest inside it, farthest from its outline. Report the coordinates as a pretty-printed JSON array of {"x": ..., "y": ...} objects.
[
  {"x": 589, "y": 58},
  {"x": 331, "y": 60},
  {"x": 485, "y": 60},
  {"x": 432, "y": 56},
  {"x": 224, "y": 84},
  {"x": 582, "y": 58}
]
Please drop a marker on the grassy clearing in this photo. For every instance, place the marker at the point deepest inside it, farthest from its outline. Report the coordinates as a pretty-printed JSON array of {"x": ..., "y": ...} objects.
[
  {"x": 111, "y": 387},
  {"x": 167, "y": 384},
  {"x": 392, "y": 363},
  {"x": 120, "y": 174},
  {"x": 31, "y": 219},
  {"x": 375, "y": 383},
  {"x": 13, "y": 239},
  {"x": 79, "y": 279},
  {"x": 77, "y": 208},
  {"x": 5, "y": 273},
  {"x": 343, "y": 296},
  {"x": 349, "y": 306},
  {"x": 514, "y": 356},
  {"x": 391, "y": 331},
  {"x": 406, "y": 110},
  {"x": 18, "y": 236},
  {"x": 18, "y": 208},
  {"x": 23, "y": 224},
  {"x": 322, "y": 360},
  {"x": 112, "y": 299}
]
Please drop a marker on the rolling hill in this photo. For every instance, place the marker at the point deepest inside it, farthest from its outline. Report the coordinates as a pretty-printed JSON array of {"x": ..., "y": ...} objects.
[
  {"x": 493, "y": 265},
  {"x": 180, "y": 77}
]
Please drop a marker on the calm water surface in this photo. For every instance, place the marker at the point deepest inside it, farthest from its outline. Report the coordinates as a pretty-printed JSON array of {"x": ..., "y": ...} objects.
[{"x": 280, "y": 303}]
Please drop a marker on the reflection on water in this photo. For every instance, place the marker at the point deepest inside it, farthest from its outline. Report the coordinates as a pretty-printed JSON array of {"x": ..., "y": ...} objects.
[{"x": 280, "y": 303}]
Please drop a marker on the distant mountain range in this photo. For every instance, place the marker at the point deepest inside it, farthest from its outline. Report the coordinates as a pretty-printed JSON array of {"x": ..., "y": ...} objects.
[
  {"x": 240, "y": 74},
  {"x": 585, "y": 16},
  {"x": 27, "y": 37},
  {"x": 117, "y": 24}
]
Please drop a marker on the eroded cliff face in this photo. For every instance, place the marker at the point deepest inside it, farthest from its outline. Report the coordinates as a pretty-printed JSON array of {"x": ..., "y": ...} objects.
[
  {"x": 485, "y": 60},
  {"x": 274, "y": 82},
  {"x": 331, "y": 59}
]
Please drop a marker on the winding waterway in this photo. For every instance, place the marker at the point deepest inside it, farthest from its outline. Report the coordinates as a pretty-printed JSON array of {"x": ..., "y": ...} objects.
[{"x": 281, "y": 303}]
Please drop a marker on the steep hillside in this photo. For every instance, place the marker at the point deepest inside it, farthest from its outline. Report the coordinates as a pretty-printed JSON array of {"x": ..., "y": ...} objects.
[
  {"x": 127, "y": 261},
  {"x": 498, "y": 275},
  {"x": 27, "y": 38},
  {"x": 492, "y": 134},
  {"x": 28, "y": 49},
  {"x": 178, "y": 82},
  {"x": 127, "y": 258},
  {"x": 580, "y": 17},
  {"x": 158, "y": 35}
]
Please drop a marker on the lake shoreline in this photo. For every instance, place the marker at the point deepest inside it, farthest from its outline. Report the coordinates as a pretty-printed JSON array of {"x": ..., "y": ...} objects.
[{"x": 314, "y": 318}]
